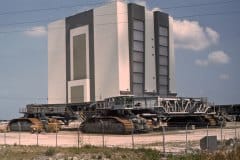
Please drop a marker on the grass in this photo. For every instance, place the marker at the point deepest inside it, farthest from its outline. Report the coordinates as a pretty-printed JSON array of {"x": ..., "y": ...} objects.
[
  {"x": 50, "y": 152},
  {"x": 223, "y": 154},
  {"x": 87, "y": 152},
  {"x": 19, "y": 152},
  {"x": 16, "y": 152}
]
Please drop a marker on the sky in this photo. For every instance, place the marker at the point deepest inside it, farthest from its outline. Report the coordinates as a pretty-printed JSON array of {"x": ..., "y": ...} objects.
[{"x": 207, "y": 46}]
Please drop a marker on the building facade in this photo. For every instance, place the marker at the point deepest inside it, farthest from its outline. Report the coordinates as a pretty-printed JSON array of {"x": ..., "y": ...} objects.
[{"x": 111, "y": 50}]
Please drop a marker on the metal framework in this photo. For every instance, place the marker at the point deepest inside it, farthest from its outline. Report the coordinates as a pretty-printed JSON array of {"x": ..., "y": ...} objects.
[
  {"x": 158, "y": 106},
  {"x": 184, "y": 105},
  {"x": 174, "y": 105}
]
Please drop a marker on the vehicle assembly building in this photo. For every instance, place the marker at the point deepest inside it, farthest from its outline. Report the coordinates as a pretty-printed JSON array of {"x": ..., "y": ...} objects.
[
  {"x": 112, "y": 50},
  {"x": 114, "y": 67}
]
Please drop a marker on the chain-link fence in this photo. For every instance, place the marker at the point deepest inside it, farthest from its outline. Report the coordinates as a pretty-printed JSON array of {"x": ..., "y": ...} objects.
[{"x": 167, "y": 139}]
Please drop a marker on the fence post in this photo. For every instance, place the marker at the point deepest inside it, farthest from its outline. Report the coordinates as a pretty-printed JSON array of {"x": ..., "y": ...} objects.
[
  {"x": 102, "y": 133},
  {"x": 19, "y": 133},
  {"x": 37, "y": 137},
  {"x": 132, "y": 135},
  {"x": 164, "y": 151},
  {"x": 235, "y": 128},
  {"x": 207, "y": 135},
  {"x": 56, "y": 137},
  {"x": 186, "y": 129},
  {"x": 221, "y": 131},
  {"x": 78, "y": 134},
  {"x": 5, "y": 138}
]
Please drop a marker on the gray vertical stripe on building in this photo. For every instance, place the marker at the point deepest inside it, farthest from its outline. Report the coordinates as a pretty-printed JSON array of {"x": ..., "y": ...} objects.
[
  {"x": 160, "y": 19},
  {"x": 77, "y": 94},
  {"x": 79, "y": 57},
  {"x": 78, "y": 20},
  {"x": 135, "y": 12}
]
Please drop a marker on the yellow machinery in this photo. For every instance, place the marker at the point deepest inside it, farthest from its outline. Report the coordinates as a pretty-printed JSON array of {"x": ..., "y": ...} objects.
[{"x": 34, "y": 125}]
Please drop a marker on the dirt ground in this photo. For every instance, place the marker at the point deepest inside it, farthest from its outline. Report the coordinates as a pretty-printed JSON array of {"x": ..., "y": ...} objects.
[{"x": 175, "y": 140}]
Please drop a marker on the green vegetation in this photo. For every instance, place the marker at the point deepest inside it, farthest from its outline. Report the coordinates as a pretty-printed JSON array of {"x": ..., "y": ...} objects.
[
  {"x": 223, "y": 154},
  {"x": 16, "y": 152},
  {"x": 50, "y": 152},
  {"x": 201, "y": 156}
]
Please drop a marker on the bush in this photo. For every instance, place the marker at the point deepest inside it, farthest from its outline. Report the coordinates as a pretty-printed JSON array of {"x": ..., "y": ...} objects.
[
  {"x": 50, "y": 152},
  {"x": 108, "y": 155},
  {"x": 150, "y": 154},
  {"x": 88, "y": 146}
]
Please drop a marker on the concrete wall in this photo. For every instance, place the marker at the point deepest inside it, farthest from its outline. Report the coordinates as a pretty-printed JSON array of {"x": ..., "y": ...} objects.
[
  {"x": 107, "y": 54},
  {"x": 83, "y": 82},
  {"x": 172, "y": 77},
  {"x": 106, "y": 51},
  {"x": 57, "y": 62},
  {"x": 123, "y": 46},
  {"x": 150, "y": 62},
  {"x": 77, "y": 21}
]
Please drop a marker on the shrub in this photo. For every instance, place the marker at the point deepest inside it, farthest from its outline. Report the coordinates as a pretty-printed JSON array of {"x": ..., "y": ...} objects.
[
  {"x": 50, "y": 152},
  {"x": 150, "y": 154}
]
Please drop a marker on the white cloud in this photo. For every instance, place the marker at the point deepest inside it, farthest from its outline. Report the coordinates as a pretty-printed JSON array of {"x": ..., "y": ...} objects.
[
  {"x": 190, "y": 35},
  {"x": 37, "y": 31},
  {"x": 216, "y": 57},
  {"x": 156, "y": 9},
  {"x": 224, "y": 77},
  {"x": 213, "y": 35},
  {"x": 201, "y": 63}
]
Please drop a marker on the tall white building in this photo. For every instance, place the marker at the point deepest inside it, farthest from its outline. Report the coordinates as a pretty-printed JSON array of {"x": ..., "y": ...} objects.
[{"x": 111, "y": 50}]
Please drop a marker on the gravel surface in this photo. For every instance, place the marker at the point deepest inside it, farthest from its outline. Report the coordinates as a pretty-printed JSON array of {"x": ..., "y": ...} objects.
[{"x": 175, "y": 141}]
